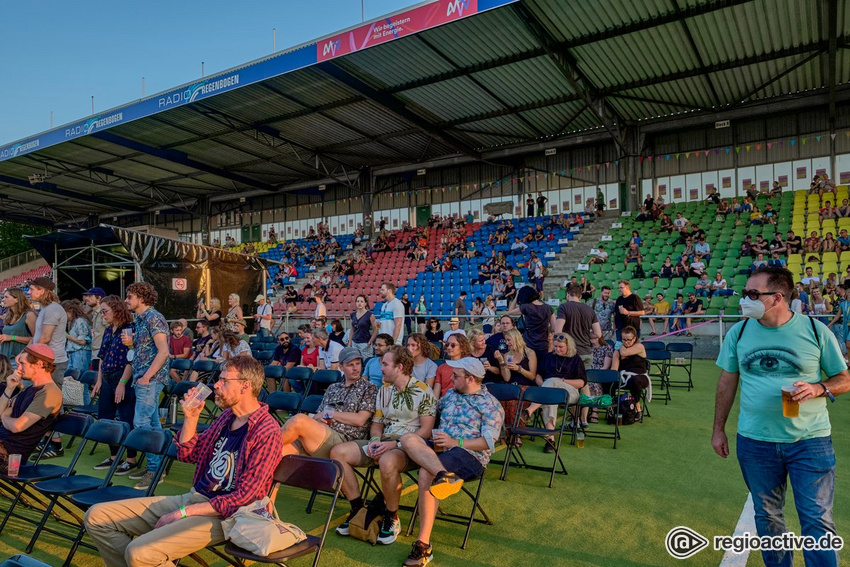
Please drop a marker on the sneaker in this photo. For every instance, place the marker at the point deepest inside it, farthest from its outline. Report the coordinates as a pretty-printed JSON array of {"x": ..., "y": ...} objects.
[
  {"x": 126, "y": 468},
  {"x": 549, "y": 447},
  {"x": 390, "y": 528},
  {"x": 445, "y": 484},
  {"x": 137, "y": 474},
  {"x": 342, "y": 529},
  {"x": 53, "y": 452},
  {"x": 103, "y": 465},
  {"x": 421, "y": 554},
  {"x": 146, "y": 481}
]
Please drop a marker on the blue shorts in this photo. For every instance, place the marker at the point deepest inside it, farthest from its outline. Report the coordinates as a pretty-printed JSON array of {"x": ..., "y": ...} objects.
[{"x": 462, "y": 463}]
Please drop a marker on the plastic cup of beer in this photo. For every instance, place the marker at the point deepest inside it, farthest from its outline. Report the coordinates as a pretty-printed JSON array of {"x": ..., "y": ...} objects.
[
  {"x": 14, "y": 465},
  {"x": 127, "y": 337},
  {"x": 434, "y": 433},
  {"x": 790, "y": 408},
  {"x": 328, "y": 415},
  {"x": 202, "y": 392},
  {"x": 580, "y": 440}
]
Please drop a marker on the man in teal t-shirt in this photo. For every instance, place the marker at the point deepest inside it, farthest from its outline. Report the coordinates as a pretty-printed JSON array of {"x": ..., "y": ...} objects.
[{"x": 775, "y": 347}]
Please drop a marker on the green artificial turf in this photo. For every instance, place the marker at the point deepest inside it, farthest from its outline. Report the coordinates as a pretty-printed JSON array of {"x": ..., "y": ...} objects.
[{"x": 614, "y": 508}]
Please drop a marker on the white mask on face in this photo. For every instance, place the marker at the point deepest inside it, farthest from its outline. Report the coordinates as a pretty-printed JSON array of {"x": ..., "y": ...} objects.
[{"x": 753, "y": 308}]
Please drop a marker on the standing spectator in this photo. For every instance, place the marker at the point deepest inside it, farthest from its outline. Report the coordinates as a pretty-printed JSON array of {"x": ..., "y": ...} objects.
[
  {"x": 529, "y": 206},
  {"x": 541, "y": 204},
  {"x": 212, "y": 314},
  {"x": 771, "y": 447},
  {"x": 263, "y": 316},
  {"x": 421, "y": 312},
  {"x": 408, "y": 312},
  {"x": 150, "y": 366},
  {"x": 628, "y": 310},
  {"x": 364, "y": 328},
  {"x": 604, "y": 309},
  {"x": 424, "y": 369},
  {"x": 113, "y": 376},
  {"x": 234, "y": 313},
  {"x": 489, "y": 315},
  {"x": 496, "y": 341},
  {"x": 579, "y": 321},
  {"x": 536, "y": 272},
  {"x": 538, "y": 318},
  {"x": 78, "y": 341},
  {"x": 50, "y": 325},
  {"x": 391, "y": 319},
  {"x": 91, "y": 302},
  {"x": 460, "y": 311},
  {"x": 18, "y": 323}
]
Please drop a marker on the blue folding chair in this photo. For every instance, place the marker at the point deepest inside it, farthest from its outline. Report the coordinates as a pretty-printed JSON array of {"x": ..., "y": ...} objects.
[
  {"x": 299, "y": 378},
  {"x": 311, "y": 404},
  {"x": 681, "y": 356},
  {"x": 658, "y": 362},
  {"x": 609, "y": 382},
  {"x": 322, "y": 379},
  {"x": 283, "y": 402},
  {"x": 182, "y": 365},
  {"x": 276, "y": 374},
  {"x": 653, "y": 345},
  {"x": 505, "y": 393},
  {"x": 21, "y": 560}
]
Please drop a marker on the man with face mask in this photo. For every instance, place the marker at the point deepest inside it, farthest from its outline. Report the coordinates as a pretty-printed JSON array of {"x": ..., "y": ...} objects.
[{"x": 780, "y": 348}]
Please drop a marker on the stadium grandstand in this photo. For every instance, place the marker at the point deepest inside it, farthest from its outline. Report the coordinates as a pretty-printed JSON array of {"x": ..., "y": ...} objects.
[{"x": 482, "y": 147}]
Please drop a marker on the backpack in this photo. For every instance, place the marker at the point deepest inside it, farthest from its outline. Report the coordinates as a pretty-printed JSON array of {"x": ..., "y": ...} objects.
[
  {"x": 638, "y": 272},
  {"x": 626, "y": 408},
  {"x": 366, "y": 523},
  {"x": 545, "y": 272}
]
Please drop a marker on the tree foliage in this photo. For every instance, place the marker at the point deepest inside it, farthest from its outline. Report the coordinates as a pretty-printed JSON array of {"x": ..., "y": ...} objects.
[{"x": 12, "y": 239}]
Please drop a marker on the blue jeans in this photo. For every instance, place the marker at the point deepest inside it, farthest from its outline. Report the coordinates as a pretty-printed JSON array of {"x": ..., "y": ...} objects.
[
  {"x": 810, "y": 464},
  {"x": 147, "y": 414},
  {"x": 108, "y": 409}
]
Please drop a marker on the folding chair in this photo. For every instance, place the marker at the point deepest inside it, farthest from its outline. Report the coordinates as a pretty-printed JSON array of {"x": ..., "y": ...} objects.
[
  {"x": 322, "y": 379},
  {"x": 106, "y": 431},
  {"x": 543, "y": 396},
  {"x": 308, "y": 473},
  {"x": 204, "y": 368},
  {"x": 182, "y": 365},
  {"x": 653, "y": 345},
  {"x": 177, "y": 392},
  {"x": 279, "y": 402},
  {"x": 681, "y": 356},
  {"x": 264, "y": 356},
  {"x": 23, "y": 561},
  {"x": 72, "y": 424},
  {"x": 310, "y": 404},
  {"x": 299, "y": 379},
  {"x": 609, "y": 381},
  {"x": 277, "y": 373},
  {"x": 142, "y": 440},
  {"x": 505, "y": 393},
  {"x": 87, "y": 379},
  {"x": 658, "y": 362}
]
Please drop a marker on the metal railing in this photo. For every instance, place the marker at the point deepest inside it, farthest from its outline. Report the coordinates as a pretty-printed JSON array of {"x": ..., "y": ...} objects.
[{"x": 18, "y": 259}]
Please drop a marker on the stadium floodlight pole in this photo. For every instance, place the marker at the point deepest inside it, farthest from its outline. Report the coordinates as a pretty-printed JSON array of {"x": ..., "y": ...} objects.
[
  {"x": 202, "y": 69},
  {"x": 92, "y": 104},
  {"x": 274, "y": 46},
  {"x": 51, "y": 119},
  {"x": 363, "y": 10},
  {"x": 143, "y": 87}
]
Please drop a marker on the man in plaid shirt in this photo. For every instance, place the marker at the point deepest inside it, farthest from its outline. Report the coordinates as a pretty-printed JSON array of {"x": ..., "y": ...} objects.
[{"x": 236, "y": 458}]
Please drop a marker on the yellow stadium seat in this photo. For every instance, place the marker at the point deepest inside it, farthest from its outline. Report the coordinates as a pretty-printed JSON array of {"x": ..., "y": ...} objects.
[{"x": 830, "y": 257}]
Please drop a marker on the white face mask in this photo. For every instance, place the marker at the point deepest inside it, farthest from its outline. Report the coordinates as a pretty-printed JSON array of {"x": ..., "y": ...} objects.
[{"x": 753, "y": 308}]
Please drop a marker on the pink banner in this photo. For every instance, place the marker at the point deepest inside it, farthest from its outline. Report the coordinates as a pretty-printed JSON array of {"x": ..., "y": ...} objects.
[
  {"x": 764, "y": 185},
  {"x": 746, "y": 183},
  {"x": 553, "y": 209},
  {"x": 694, "y": 194},
  {"x": 820, "y": 171},
  {"x": 709, "y": 187},
  {"x": 677, "y": 192},
  {"x": 783, "y": 180},
  {"x": 662, "y": 190},
  {"x": 566, "y": 205},
  {"x": 844, "y": 176},
  {"x": 726, "y": 182},
  {"x": 801, "y": 173},
  {"x": 577, "y": 199},
  {"x": 612, "y": 204},
  {"x": 394, "y": 27}
]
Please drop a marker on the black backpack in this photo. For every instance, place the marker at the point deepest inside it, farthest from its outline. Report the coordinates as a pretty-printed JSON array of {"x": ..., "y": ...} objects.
[
  {"x": 627, "y": 409},
  {"x": 638, "y": 272}
]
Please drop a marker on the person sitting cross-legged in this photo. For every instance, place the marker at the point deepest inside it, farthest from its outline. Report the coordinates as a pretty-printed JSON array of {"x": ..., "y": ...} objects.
[
  {"x": 403, "y": 405},
  {"x": 235, "y": 462},
  {"x": 343, "y": 415},
  {"x": 470, "y": 422}
]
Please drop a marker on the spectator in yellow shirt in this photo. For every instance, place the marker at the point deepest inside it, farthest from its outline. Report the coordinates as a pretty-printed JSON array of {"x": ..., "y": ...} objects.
[{"x": 661, "y": 307}]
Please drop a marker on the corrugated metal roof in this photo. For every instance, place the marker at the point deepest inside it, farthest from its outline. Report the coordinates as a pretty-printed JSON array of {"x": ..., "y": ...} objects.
[
  {"x": 569, "y": 20},
  {"x": 451, "y": 100},
  {"x": 541, "y": 80}
]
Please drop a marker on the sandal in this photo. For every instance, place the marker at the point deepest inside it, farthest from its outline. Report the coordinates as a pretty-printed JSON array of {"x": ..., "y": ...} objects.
[{"x": 689, "y": 335}]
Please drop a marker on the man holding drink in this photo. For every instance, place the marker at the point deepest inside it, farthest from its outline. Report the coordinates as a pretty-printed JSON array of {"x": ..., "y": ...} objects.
[{"x": 783, "y": 424}]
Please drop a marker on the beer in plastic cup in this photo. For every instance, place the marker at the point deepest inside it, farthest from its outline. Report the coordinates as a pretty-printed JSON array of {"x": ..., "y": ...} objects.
[
  {"x": 127, "y": 337},
  {"x": 14, "y": 465},
  {"x": 202, "y": 392},
  {"x": 580, "y": 440},
  {"x": 434, "y": 433},
  {"x": 328, "y": 415},
  {"x": 790, "y": 408}
]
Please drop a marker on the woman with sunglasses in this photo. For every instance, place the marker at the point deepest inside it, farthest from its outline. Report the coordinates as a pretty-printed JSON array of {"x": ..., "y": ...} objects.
[
  {"x": 630, "y": 361},
  {"x": 562, "y": 368},
  {"x": 434, "y": 333},
  {"x": 457, "y": 347},
  {"x": 518, "y": 366}
]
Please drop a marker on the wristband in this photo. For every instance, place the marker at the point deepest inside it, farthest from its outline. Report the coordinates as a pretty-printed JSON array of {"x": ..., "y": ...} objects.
[
  {"x": 460, "y": 442},
  {"x": 183, "y": 513},
  {"x": 14, "y": 337},
  {"x": 374, "y": 439},
  {"x": 123, "y": 380}
]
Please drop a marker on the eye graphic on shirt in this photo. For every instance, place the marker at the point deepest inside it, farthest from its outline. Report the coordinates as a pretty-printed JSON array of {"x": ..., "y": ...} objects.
[{"x": 777, "y": 362}]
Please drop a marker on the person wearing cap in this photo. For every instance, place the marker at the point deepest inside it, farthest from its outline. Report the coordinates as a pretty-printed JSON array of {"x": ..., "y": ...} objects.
[
  {"x": 26, "y": 415},
  {"x": 51, "y": 324},
  {"x": 91, "y": 302},
  {"x": 344, "y": 414},
  {"x": 263, "y": 316},
  {"x": 454, "y": 329},
  {"x": 470, "y": 422}
]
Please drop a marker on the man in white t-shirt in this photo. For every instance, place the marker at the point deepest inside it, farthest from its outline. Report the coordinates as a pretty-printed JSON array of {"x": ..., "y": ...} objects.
[
  {"x": 810, "y": 279},
  {"x": 328, "y": 350},
  {"x": 263, "y": 316},
  {"x": 391, "y": 318}
]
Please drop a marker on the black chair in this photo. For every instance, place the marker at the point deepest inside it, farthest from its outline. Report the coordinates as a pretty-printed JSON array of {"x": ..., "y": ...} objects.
[
  {"x": 283, "y": 402},
  {"x": 505, "y": 393},
  {"x": 681, "y": 356},
  {"x": 543, "y": 396},
  {"x": 307, "y": 473},
  {"x": 322, "y": 379},
  {"x": 142, "y": 440},
  {"x": 264, "y": 356},
  {"x": 277, "y": 373},
  {"x": 310, "y": 404},
  {"x": 106, "y": 431},
  {"x": 72, "y": 424},
  {"x": 23, "y": 561},
  {"x": 653, "y": 345},
  {"x": 88, "y": 379},
  {"x": 658, "y": 362},
  {"x": 300, "y": 375},
  {"x": 182, "y": 365},
  {"x": 204, "y": 368},
  {"x": 609, "y": 382}
]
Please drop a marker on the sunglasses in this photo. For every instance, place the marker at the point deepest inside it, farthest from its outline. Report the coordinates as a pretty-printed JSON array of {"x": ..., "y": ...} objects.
[
  {"x": 560, "y": 337},
  {"x": 755, "y": 294}
]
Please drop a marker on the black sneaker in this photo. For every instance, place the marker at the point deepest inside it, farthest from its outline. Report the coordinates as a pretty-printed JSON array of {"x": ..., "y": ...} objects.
[
  {"x": 390, "y": 528},
  {"x": 549, "y": 447},
  {"x": 53, "y": 452},
  {"x": 421, "y": 554},
  {"x": 342, "y": 529},
  {"x": 126, "y": 468},
  {"x": 445, "y": 484},
  {"x": 103, "y": 465}
]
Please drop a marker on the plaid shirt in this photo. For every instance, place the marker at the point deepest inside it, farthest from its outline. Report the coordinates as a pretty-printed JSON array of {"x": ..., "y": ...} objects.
[{"x": 255, "y": 464}]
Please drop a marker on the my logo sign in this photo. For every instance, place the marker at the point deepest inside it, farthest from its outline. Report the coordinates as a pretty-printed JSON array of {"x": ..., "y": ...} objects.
[
  {"x": 683, "y": 542},
  {"x": 332, "y": 47},
  {"x": 457, "y": 7}
]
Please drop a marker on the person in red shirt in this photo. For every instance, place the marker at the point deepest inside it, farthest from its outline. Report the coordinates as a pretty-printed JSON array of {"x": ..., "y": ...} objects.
[{"x": 179, "y": 345}]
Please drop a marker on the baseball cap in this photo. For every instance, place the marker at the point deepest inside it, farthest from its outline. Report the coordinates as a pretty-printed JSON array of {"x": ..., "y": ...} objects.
[
  {"x": 470, "y": 364},
  {"x": 259, "y": 297},
  {"x": 41, "y": 351},
  {"x": 95, "y": 291},
  {"x": 43, "y": 282},
  {"x": 348, "y": 354}
]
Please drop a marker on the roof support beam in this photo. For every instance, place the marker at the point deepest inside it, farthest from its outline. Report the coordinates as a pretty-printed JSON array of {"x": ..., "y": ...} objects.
[
  {"x": 180, "y": 158},
  {"x": 775, "y": 78},
  {"x": 832, "y": 57},
  {"x": 67, "y": 193},
  {"x": 687, "y": 31},
  {"x": 395, "y": 106}
]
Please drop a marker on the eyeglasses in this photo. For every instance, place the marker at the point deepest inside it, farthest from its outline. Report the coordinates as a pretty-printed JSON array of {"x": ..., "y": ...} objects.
[
  {"x": 453, "y": 345},
  {"x": 631, "y": 340},
  {"x": 755, "y": 294},
  {"x": 232, "y": 380}
]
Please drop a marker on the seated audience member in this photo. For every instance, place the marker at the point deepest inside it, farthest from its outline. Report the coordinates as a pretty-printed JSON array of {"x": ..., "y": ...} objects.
[
  {"x": 202, "y": 330},
  {"x": 404, "y": 405},
  {"x": 630, "y": 361},
  {"x": 828, "y": 244},
  {"x": 810, "y": 280},
  {"x": 777, "y": 244},
  {"x": 309, "y": 350},
  {"x": 328, "y": 350},
  {"x": 794, "y": 243},
  {"x": 759, "y": 262},
  {"x": 179, "y": 346},
  {"x": 457, "y": 347},
  {"x": 424, "y": 369},
  {"x": 232, "y": 345},
  {"x": 633, "y": 255},
  {"x": 343, "y": 415},
  {"x": 693, "y": 306},
  {"x": 776, "y": 260},
  {"x": 27, "y": 415},
  {"x": 661, "y": 307},
  {"x": 470, "y": 422},
  {"x": 719, "y": 287},
  {"x": 703, "y": 285},
  {"x": 372, "y": 369},
  {"x": 600, "y": 258},
  {"x": 245, "y": 438},
  {"x": 812, "y": 244},
  {"x": 668, "y": 270},
  {"x": 454, "y": 329}
]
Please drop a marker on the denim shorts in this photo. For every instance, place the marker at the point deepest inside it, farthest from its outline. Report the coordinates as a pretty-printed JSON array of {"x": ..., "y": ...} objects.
[{"x": 461, "y": 462}]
